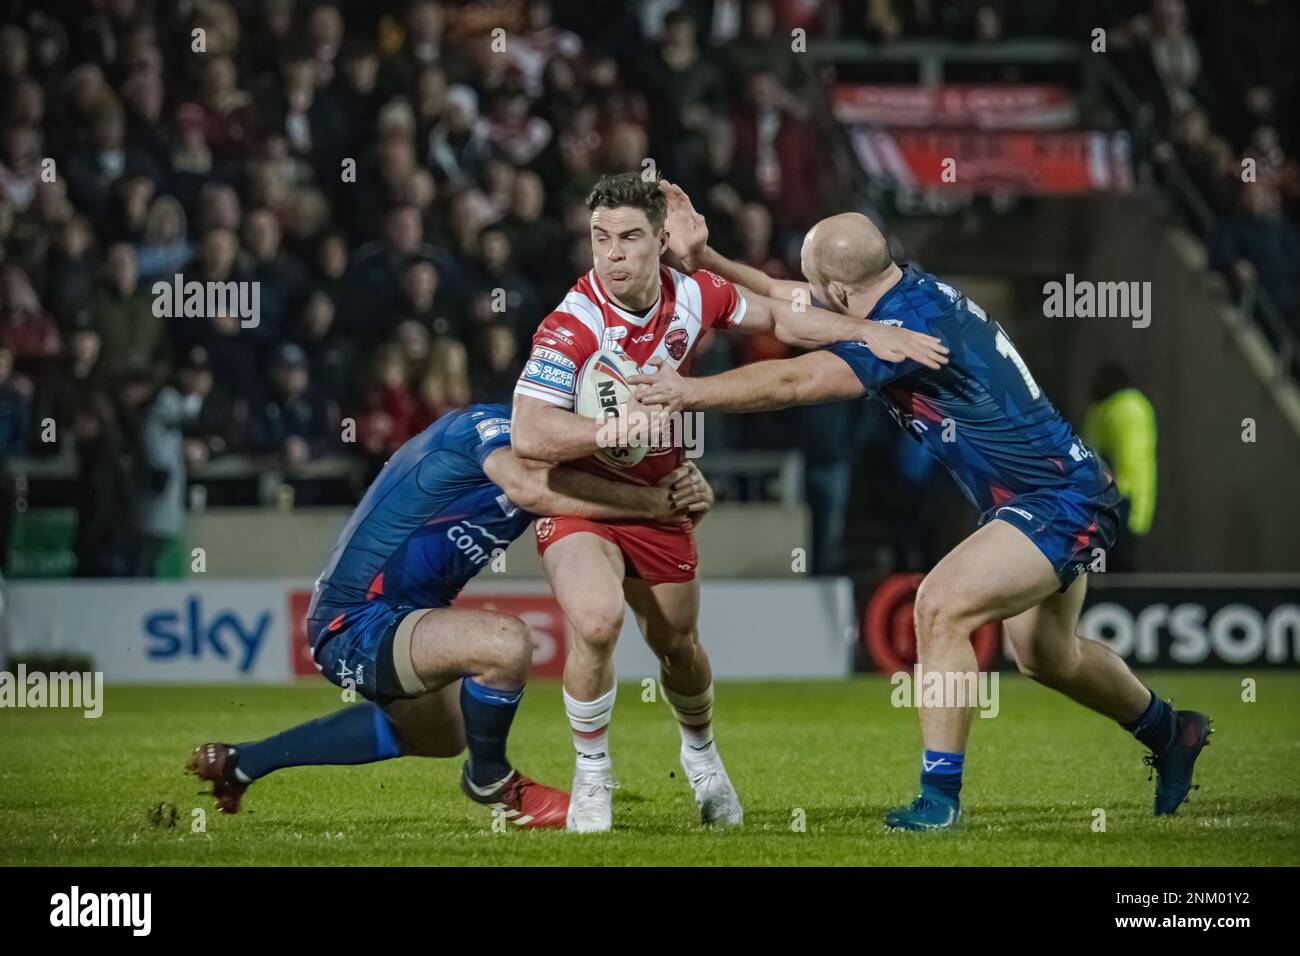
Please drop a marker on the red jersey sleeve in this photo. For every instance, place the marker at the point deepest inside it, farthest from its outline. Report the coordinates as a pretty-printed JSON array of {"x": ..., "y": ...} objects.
[
  {"x": 721, "y": 304},
  {"x": 561, "y": 344}
]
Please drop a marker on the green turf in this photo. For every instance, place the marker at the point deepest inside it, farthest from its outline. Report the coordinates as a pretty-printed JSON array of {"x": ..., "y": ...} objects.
[{"x": 77, "y": 791}]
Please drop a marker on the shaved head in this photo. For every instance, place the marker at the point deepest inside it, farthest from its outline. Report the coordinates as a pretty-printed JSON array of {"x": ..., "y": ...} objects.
[{"x": 847, "y": 248}]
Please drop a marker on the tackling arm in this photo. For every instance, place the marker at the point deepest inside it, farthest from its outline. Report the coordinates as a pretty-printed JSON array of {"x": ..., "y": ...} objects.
[
  {"x": 808, "y": 379},
  {"x": 804, "y": 327},
  {"x": 558, "y": 490}
]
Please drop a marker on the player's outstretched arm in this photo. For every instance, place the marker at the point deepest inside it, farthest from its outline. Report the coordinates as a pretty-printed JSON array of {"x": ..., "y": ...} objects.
[
  {"x": 798, "y": 323},
  {"x": 756, "y": 280},
  {"x": 558, "y": 490},
  {"x": 806, "y": 380},
  {"x": 786, "y": 307},
  {"x": 688, "y": 238},
  {"x": 547, "y": 433}
]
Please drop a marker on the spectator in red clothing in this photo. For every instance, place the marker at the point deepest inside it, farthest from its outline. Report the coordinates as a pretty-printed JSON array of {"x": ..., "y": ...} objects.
[
  {"x": 230, "y": 123},
  {"x": 780, "y": 148},
  {"x": 516, "y": 131},
  {"x": 20, "y": 166},
  {"x": 754, "y": 227},
  {"x": 393, "y": 410},
  {"x": 540, "y": 41},
  {"x": 26, "y": 329}
]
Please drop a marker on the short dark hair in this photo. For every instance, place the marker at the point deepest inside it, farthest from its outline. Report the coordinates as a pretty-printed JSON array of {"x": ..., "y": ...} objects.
[{"x": 629, "y": 189}]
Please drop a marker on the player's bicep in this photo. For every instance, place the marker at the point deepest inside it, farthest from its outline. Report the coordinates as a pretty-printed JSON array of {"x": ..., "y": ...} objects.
[{"x": 758, "y": 316}]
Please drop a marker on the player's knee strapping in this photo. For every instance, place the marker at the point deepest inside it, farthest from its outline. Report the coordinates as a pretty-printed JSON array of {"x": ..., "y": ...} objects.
[{"x": 694, "y": 713}]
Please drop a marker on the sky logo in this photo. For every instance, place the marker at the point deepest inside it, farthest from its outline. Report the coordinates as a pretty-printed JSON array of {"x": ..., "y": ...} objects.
[{"x": 180, "y": 634}]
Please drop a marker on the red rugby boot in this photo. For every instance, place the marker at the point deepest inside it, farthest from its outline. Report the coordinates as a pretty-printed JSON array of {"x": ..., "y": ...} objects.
[
  {"x": 216, "y": 764},
  {"x": 521, "y": 801}
]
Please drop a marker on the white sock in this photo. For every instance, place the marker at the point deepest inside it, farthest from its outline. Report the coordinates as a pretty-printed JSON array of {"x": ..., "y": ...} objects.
[
  {"x": 694, "y": 713},
  {"x": 589, "y": 720}
]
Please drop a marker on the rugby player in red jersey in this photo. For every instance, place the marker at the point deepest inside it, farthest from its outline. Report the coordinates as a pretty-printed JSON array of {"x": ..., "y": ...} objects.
[{"x": 633, "y": 302}]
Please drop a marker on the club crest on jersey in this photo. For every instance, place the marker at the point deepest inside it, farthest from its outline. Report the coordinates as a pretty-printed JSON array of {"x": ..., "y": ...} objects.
[
  {"x": 675, "y": 343},
  {"x": 612, "y": 336}
]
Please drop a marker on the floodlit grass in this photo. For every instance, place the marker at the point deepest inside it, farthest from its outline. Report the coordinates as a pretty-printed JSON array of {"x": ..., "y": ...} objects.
[{"x": 829, "y": 755}]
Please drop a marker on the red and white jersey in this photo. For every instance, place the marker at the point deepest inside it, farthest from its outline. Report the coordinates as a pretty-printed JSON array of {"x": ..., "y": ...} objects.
[{"x": 588, "y": 320}]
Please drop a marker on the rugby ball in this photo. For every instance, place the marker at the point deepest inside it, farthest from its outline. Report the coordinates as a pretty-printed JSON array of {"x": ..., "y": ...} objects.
[{"x": 602, "y": 392}]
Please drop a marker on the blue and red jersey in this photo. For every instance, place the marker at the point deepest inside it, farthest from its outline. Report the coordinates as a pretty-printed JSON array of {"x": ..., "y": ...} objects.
[
  {"x": 982, "y": 415},
  {"x": 429, "y": 522}
]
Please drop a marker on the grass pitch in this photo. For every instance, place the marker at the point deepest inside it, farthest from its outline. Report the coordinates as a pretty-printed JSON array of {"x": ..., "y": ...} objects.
[{"x": 828, "y": 755}]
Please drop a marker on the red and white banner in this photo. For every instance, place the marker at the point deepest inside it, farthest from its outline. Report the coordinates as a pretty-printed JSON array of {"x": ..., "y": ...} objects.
[
  {"x": 974, "y": 106},
  {"x": 1033, "y": 163}
]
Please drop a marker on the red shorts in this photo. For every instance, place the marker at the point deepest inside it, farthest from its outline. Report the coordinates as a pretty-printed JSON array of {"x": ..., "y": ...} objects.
[{"x": 656, "y": 553}]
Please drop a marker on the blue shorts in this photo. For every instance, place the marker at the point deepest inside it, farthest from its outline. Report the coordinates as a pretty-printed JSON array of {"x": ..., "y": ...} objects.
[
  {"x": 354, "y": 647},
  {"x": 1071, "y": 528}
]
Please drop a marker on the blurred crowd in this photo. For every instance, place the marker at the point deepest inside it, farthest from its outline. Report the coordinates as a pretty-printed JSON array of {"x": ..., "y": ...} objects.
[
  {"x": 1221, "y": 83},
  {"x": 404, "y": 179}
]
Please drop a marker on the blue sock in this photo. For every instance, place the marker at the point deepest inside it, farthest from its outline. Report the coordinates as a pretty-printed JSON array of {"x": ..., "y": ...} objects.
[
  {"x": 488, "y": 713},
  {"x": 942, "y": 771},
  {"x": 1157, "y": 725},
  {"x": 360, "y": 734}
]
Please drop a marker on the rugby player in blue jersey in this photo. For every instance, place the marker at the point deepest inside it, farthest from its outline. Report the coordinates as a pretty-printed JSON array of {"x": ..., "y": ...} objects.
[
  {"x": 437, "y": 680},
  {"x": 1046, "y": 503}
]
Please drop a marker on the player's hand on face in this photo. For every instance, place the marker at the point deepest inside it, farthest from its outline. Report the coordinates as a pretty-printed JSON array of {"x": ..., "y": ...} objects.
[
  {"x": 892, "y": 344},
  {"x": 688, "y": 491},
  {"x": 664, "y": 387},
  {"x": 688, "y": 233}
]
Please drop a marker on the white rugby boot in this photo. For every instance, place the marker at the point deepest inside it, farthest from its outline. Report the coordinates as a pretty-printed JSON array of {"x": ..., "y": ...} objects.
[
  {"x": 589, "y": 801},
  {"x": 714, "y": 795}
]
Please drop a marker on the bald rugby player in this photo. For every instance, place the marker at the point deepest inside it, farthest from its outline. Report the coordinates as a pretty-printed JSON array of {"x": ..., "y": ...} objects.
[{"x": 1046, "y": 502}]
